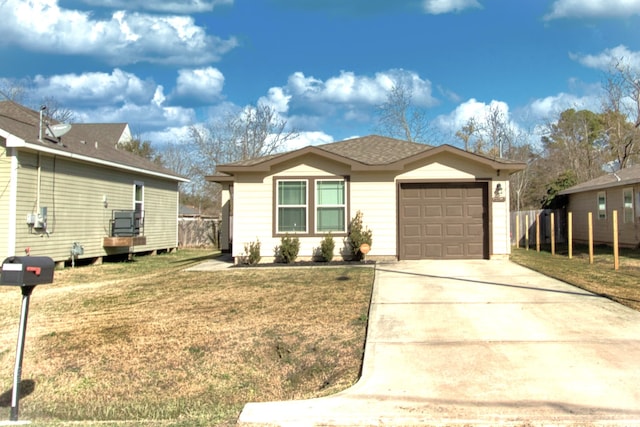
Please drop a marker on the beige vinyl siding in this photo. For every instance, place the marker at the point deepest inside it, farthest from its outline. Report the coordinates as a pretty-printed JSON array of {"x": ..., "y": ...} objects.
[
  {"x": 375, "y": 195},
  {"x": 5, "y": 199},
  {"x": 580, "y": 204},
  {"x": 74, "y": 193}
]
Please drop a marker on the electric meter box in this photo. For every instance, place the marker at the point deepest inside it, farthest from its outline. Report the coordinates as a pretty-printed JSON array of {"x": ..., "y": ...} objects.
[{"x": 27, "y": 271}]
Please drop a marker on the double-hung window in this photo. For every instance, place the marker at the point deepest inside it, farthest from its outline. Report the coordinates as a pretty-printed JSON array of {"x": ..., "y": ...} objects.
[
  {"x": 602, "y": 205},
  {"x": 627, "y": 205},
  {"x": 310, "y": 206},
  {"x": 331, "y": 208},
  {"x": 292, "y": 206}
]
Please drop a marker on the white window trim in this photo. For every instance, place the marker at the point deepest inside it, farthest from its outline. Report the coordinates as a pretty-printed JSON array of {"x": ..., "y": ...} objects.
[
  {"x": 624, "y": 208},
  {"x": 135, "y": 201},
  {"x": 602, "y": 213},
  {"x": 317, "y": 205},
  {"x": 305, "y": 206}
]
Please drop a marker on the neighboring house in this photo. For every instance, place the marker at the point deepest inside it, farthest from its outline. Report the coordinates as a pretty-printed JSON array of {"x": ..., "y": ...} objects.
[
  {"x": 619, "y": 191},
  {"x": 78, "y": 195},
  {"x": 419, "y": 201}
]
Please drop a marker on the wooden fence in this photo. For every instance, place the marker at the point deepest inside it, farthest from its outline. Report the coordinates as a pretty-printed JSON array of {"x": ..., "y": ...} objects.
[
  {"x": 198, "y": 232},
  {"x": 552, "y": 227}
]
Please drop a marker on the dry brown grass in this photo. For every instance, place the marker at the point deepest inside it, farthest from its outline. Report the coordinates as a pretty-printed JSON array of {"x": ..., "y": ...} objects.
[{"x": 149, "y": 341}]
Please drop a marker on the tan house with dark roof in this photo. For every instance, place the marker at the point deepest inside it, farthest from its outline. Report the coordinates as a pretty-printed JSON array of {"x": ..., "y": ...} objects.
[
  {"x": 619, "y": 191},
  {"x": 78, "y": 195},
  {"x": 419, "y": 201}
]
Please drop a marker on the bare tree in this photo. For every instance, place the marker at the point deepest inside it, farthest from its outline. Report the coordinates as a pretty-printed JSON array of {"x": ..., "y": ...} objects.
[
  {"x": 470, "y": 129},
  {"x": 56, "y": 111},
  {"x": 621, "y": 115},
  {"x": 12, "y": 90},
  {"x": 399, "y": 118}
]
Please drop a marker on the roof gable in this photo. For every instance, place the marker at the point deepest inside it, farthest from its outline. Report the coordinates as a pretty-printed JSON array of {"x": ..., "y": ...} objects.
[
  {"x": 369, "y": 153},
  {"x": 93, "y": 143},
  {"x": 626, "y": 176}
]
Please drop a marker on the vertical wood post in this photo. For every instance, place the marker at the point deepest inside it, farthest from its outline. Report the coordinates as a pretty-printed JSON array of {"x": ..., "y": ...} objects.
[
  {"x": 553, "y": 233},
  {"x": 616, "y": 254},
  {"x": 590, "y": 226},
  {"x": 526, "y": 232},
  {"x": 538, "y": 232},
  {"x": 517, "y": 229},
  {"x": 570, "y": 233}
]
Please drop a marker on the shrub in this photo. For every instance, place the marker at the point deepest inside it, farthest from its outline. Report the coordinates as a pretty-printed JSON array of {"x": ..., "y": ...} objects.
[
  {"x": 358, "y": 234},
  {"x": 288, "y": 249},
  {"x": 252, "y": 251},
  {"x": 326, "y": 247}
]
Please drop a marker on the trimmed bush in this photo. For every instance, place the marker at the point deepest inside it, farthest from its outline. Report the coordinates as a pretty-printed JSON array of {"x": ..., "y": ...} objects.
[
  {"x": 288, "y": 249},
  {"x": 252, "y": 251},
  {"x": 358, "y": 234},
  {"x": 326, "y": 247}
]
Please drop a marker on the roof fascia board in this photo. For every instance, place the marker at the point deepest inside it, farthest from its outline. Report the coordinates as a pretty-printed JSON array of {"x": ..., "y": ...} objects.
[
  {"x": 601, "y": 186},
  {"x": 15, "y": 142}
]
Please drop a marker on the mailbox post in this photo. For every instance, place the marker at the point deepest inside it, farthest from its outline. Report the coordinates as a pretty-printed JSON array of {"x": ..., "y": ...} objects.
[{"x": 25, "y": 272}]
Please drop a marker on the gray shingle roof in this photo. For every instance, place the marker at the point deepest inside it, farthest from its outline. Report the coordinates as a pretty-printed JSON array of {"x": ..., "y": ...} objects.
[
  {"x": 372, "y": 152},
  {"x": 627, "y": 176},
  {"x": 94, "y": 141}
]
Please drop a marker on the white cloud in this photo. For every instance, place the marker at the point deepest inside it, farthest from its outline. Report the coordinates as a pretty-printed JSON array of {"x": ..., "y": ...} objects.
[
  {"x": 550, "y": 107},
  {"x": 471, "y": 109},
  {"x": 305, "y": 139},
  {"x": 593, "y": 8},
  {"x": 164, "y": 6},
  {"x": 123, "y": 39},
  {"x": 276, "y": 99},
  {"x": 349, "y": 88},
  {"x": 95, "y": 88},
  {"x": 609, "y": 58},
  {"x": 204, "y": 84},
  {"x": 437, "y": 7}
]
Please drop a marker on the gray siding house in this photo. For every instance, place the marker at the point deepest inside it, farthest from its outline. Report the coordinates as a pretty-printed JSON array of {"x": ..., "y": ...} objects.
[
  {"x": 619, "y": 191},
  {"x": 79, "y": 195}
]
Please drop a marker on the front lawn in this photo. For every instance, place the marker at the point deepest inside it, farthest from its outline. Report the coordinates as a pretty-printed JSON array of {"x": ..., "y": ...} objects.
[{"x": 147, "y": 343}]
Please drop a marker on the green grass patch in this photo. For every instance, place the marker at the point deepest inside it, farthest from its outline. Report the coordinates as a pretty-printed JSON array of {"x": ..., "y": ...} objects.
[{"x": 622, "y": 285}]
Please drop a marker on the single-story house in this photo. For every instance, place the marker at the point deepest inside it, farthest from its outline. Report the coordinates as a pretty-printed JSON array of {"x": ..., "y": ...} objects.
[
  {"x": 418, "y": 200},
  {"x": 71, "y": 192},
  {"x": 619, "y": 191}
]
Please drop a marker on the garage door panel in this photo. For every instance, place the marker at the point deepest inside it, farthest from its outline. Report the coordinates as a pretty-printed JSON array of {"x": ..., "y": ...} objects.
[
  {"x": 444, "y": 220},
  {"x": 433, "y": 230},
  {"x": 433, "y": 211},
  {"x": 455, "y": 211}
]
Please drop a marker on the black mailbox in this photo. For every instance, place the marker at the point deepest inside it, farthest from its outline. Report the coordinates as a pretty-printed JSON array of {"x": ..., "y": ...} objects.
[{"x": 27, "y": 271}]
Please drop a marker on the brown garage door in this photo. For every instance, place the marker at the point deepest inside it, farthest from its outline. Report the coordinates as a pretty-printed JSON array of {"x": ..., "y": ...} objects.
[{"x": 443, "y": 221}]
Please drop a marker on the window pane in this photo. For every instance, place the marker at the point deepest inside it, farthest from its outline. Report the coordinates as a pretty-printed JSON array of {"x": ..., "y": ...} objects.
[
  {"x": 602, "y": 205},
  {"x": 330, "y": 219},
  {"x": 628, "y": 205},
  {"x": 330, "y": 192},
  {"x": 292, "y": 219},
  {"x": 292, "y": 193}
]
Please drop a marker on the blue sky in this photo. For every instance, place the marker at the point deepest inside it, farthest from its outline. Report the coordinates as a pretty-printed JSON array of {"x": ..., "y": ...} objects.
[{"x": 324, "y": 65}]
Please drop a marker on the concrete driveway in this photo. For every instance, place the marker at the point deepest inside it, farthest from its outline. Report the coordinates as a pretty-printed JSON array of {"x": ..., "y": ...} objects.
[{"x": 482, "y": 343}]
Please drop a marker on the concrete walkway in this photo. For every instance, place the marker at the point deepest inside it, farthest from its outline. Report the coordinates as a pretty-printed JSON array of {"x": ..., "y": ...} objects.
[{"x": 482, "y": 343}]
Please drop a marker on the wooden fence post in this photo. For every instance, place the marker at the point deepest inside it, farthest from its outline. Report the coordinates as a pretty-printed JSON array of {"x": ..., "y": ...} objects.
[
  {"x": 517, "y": 229},
  {"x": 616, "y": 254},
  {"x": 570, "y": 233},
  {"x": 526, "y": 232},
  {"x": 538, "y": 232},
  {"x": 590, "y": 226},
  {"x": 553, "y": 233}
]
